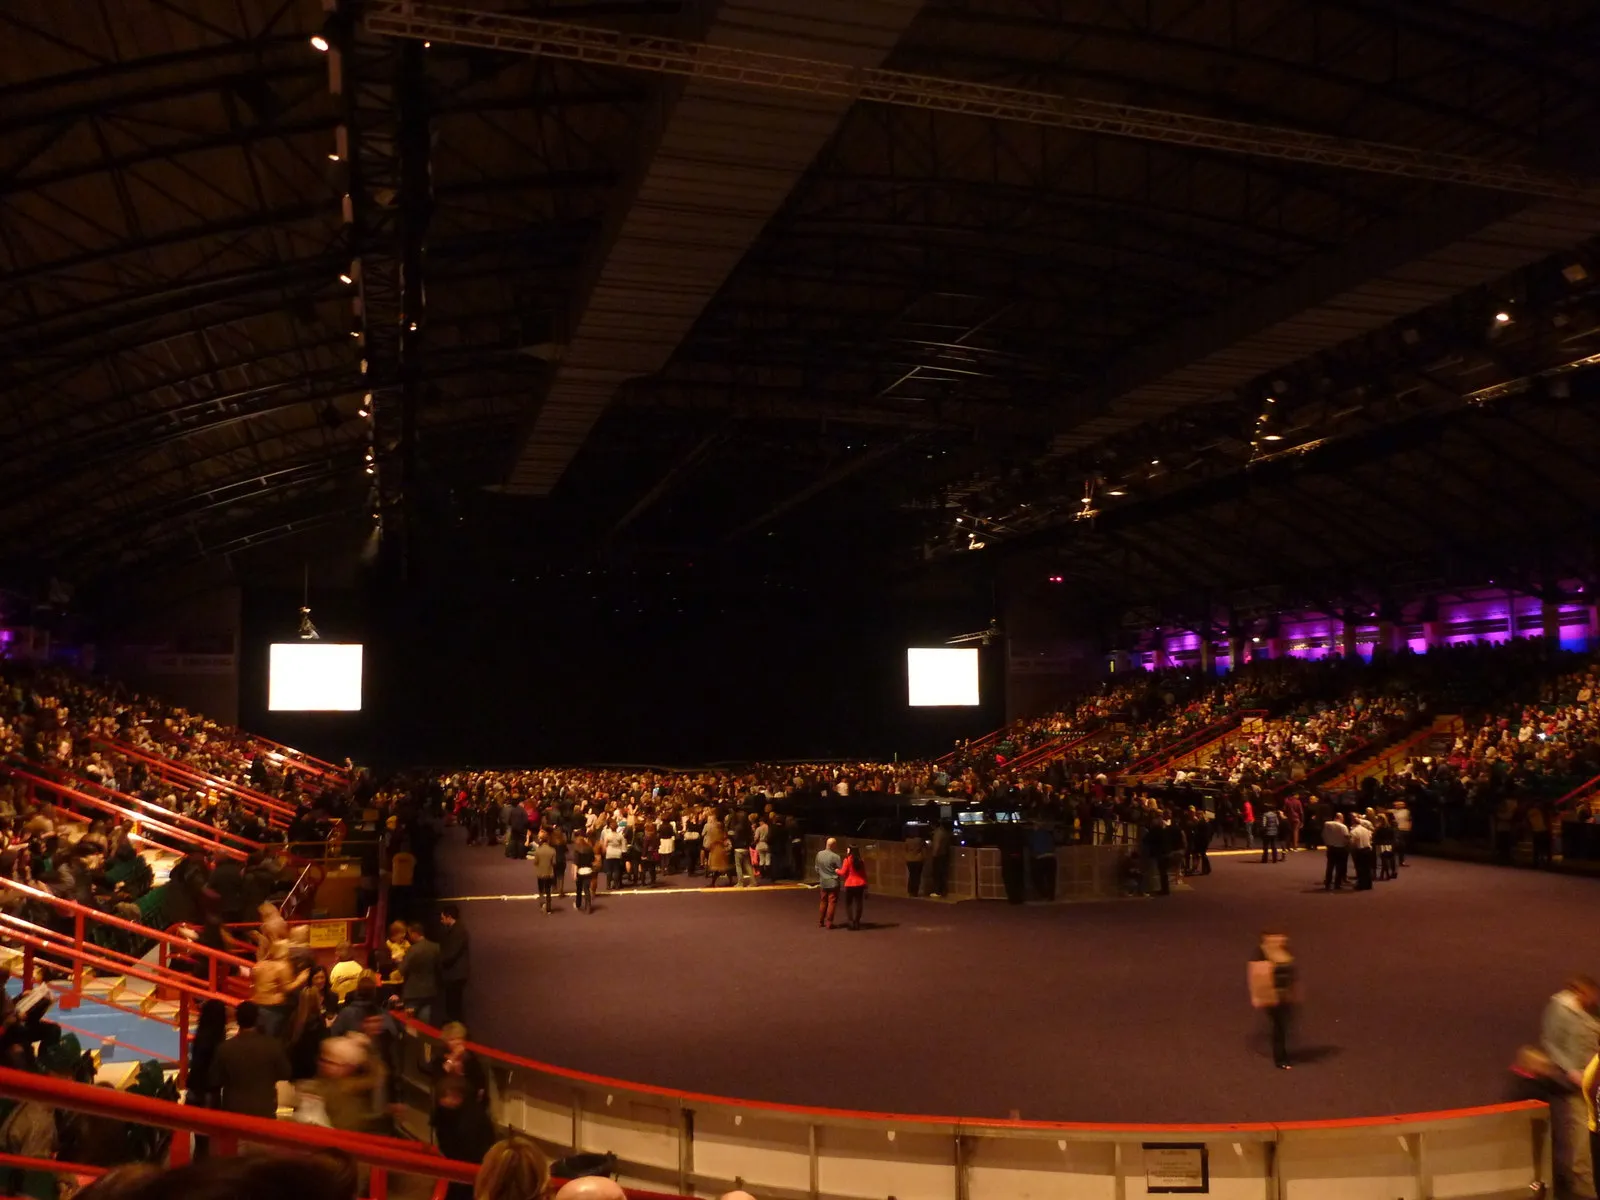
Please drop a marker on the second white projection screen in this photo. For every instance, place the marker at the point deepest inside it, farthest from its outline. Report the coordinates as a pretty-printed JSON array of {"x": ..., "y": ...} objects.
[{"x": 942, "y": 678}]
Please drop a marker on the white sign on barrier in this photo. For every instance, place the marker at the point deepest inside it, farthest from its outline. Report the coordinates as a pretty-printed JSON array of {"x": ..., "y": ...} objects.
[{"x": 1176, "y": 1167}]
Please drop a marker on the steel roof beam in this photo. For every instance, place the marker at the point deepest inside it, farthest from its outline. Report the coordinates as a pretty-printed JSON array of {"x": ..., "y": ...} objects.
[
  {"x": 1290, "y": 70},
  {"x": 722, "y": 64},
  {"x": 12, "y": 182},
  {"x": 300, "y": 67},
  {"x": 31, "y": 339},
  {"x": 266, "y": 222}
]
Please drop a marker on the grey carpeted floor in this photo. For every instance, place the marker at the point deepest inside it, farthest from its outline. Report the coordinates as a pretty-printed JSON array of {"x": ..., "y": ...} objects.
[{"x": 1417, "y": 993}]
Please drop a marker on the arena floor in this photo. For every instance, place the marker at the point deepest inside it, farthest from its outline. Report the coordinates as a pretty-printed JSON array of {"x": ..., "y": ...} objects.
[{"x": 1417, "y": 993}]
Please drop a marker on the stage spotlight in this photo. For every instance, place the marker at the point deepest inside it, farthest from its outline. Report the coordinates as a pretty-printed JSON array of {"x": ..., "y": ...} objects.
[
  {"x": 319, "y": 43},
  {"x": 1502, "y": 317}
]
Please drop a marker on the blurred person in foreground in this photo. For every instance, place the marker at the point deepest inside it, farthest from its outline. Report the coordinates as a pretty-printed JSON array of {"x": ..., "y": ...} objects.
[
  {"x": 1569, "y": 1034},
  {"x": 461, "y": 1128},
  {"x": 341, "y": 1093},
  {"x": 1271, "y": 976},
  {"x": 514, "y": 1169},
  {"x": 1591, "y": 1107},
  {"x": 249, "y": 1177},
  {"x": 1535, "y": 1077},
  {"x": 591, "y": 1187}
]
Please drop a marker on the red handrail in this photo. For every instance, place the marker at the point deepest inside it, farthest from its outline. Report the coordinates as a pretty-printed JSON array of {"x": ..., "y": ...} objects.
[
  {"x": 226, "y": 1130},
  {"x": 1191, "y": 756},
  {"x": 376, "y": 1151},
  {"x": 1579, "y": 792},
  {"x": 179, "y": 771},
  {"x": 304, "y": 888},
  {"x": 162, "y": 813},
  {"x": 50, "y": 1166},
  {"x": 1199, "y": 737},
  {"x": 175, "y": 770},
  {"x": 1057, "y": 747},
  {"x": 803, "y": 1110},
  {"x": 987, "y": 739},
  {"x": 1362, "y": 757},
  {"x": 182, "y": 836},
  {"x": 297, "y": 758},
  {"x": 80, "y": 954},
  {"x": 80, "y": 911}
]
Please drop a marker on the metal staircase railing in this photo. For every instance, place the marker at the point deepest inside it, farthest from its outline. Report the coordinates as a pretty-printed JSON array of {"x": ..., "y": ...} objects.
[{"x": 176, "y": 771}]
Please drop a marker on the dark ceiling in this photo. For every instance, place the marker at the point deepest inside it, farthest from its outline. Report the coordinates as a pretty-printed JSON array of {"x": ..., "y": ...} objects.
[{"x": 1159, "y": 369}]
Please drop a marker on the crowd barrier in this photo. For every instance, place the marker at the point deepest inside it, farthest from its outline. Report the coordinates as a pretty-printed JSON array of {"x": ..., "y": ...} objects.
[
  {"x": 1086, "y": 872},
  {"x": 693, "y": 1143},
  {"x": 970, "y": 867}
]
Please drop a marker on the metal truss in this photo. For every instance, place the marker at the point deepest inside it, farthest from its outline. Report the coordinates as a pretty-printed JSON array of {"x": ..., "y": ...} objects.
[
  {"x": 387, "y": 109},
  {"x": 729, "y": 65}
]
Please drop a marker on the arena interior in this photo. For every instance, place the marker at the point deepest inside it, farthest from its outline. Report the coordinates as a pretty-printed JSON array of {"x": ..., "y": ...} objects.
[{"x": 799, "y": 599}]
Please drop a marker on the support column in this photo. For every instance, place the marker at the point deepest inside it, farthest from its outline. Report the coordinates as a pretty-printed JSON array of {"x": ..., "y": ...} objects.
[
  {"x": 1236, "y": 644},
  {"x": 1388, "y": 638},
  {"x": 1159, "y": 659},
  {"x": 1208, "y": 664},
  {"x": 1550, "y": 615},
  {"x": 1347, "y": 636}
]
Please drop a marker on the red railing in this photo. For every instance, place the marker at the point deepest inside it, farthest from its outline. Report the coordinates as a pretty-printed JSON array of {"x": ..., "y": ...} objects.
[
  {"x": 177, "y": 771},
  {"x": 850, "y": 1114},
  {"x": 157, "y": 811},
  {"x": 298, "y": 759},
  {"x": 988, "y": 739},
  {"x": 1362, "y": 758},
  {"x": 304, "y": 890},
  {"x": 1198, "y": 738},
  {"x": 45, "y": 943},
  {"x": 1578, "y": 793},
  {"x": 1335, "y": 773},
  {"x": 221, "y": 964},
  {"x": 1057, "y": 747},
  {"x": 226, "y": 1130},
  {"x": 163, "y": 826},
  {"x": 1191, "y": 756}
]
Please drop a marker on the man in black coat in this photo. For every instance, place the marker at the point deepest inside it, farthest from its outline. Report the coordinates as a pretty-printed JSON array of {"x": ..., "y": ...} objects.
[
  {"x": 247, "y": 1067},
  {"x": 455, "y": 962},
  {"x": 517, "y": 823}
]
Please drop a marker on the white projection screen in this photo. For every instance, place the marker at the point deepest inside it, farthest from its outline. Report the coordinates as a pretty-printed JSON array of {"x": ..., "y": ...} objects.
[
  {"x": 314, "y": 677},
  {"x": 942, "y": 677}
]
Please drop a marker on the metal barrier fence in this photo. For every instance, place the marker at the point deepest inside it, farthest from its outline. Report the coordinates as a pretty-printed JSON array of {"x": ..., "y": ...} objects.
[{"x": 702, "y": 1144}]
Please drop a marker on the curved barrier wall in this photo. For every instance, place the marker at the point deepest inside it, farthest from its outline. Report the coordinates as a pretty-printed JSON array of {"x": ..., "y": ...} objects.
[{"x": 702, "y": 1144}]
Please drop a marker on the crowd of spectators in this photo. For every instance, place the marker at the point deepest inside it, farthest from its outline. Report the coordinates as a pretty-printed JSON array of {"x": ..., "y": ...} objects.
[{"x": 1504, "y": 775}]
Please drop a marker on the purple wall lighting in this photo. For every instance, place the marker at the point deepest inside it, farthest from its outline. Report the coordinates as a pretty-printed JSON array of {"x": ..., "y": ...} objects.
[{"x": 1487, "y": 614}]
